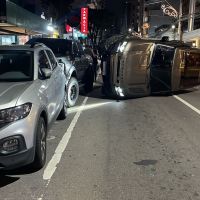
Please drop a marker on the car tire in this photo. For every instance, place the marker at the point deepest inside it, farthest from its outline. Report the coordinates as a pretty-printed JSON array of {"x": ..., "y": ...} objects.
[
  {"x": 72, "y": 92},
  {"x": 89, "y": 80},
  {"x": 63, "y": 113},
  {"x": 41, "y": 144}
]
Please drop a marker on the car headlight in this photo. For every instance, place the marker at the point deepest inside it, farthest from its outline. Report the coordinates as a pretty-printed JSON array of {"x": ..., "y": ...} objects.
[{"x": 13, "y": 114}]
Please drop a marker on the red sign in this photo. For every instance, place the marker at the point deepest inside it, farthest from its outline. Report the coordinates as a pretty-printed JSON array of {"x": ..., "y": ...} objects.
[
  {"x": 68, "y": 28},
  {"x": 84, "y": 20}
]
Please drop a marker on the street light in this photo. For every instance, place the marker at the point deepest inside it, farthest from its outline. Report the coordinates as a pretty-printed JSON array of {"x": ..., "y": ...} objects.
[
  {"x": 174, "y": 31},
  {"x": 173, "y": 26}
]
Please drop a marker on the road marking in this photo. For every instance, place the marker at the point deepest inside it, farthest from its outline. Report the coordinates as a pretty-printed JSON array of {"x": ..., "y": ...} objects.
[
  {"x": 187, "y": 104},
  {"x": 52, "y": 165},
  {"x": 51, "y": 138}
]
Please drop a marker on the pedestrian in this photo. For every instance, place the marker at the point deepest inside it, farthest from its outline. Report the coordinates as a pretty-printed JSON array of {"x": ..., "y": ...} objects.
[
  {"x": 95, "y": 62},
  {"x": 104, "y": 70}
]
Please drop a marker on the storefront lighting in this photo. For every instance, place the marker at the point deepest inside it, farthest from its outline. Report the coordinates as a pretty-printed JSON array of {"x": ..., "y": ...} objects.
[{"x": 50, "y": 28}]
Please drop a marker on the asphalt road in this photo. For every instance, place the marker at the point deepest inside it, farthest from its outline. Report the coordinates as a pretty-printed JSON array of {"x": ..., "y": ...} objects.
[{"x": 137, "y": 149}]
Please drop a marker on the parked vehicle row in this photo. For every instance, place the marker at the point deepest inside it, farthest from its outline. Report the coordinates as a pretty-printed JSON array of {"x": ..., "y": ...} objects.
[
  {"x": 139, "y": 67},
  {"x": 38, "y": 81}
]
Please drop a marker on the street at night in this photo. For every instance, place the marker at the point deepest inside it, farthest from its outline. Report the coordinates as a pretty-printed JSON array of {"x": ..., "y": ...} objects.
[
  {"x": 144, "y": 148},
  {"x": 99, "y": 100}
]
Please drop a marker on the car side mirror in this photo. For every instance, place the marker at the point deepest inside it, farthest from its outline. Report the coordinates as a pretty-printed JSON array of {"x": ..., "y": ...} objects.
[
  {"x": 62, "y": 65},
  {"x": 46, "y": 73}
]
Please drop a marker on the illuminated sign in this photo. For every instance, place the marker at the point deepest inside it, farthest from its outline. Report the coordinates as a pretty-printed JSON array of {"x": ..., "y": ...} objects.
[
  {"x": 84, "y": 20},
  {"x": 68, "y": 28},
  {"x": 169, "y": 10}
]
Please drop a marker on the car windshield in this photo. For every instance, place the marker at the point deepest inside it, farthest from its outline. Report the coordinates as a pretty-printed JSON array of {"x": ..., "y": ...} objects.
[{"x": 16, "y": 65}]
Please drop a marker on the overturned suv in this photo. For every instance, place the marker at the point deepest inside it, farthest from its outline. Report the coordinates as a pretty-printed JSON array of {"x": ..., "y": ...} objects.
[{"x": 32, "y": 96}]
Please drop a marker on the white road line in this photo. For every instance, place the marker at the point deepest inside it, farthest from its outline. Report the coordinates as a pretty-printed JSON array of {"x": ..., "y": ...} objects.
[
  {"x": 187, "y": 104},
  {"x": 52, "y": 165}
]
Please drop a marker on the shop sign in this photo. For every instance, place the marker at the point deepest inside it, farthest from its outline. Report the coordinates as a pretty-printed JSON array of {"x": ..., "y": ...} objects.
[
  {"x": 68, "y": 28},
  {"x": 84, "y": 20},
  {"x": 169, "y": 10}
]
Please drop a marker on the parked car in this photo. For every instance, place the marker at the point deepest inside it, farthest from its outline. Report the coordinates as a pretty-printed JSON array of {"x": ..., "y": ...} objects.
[
  {"x": 32, "y": 96},
  {"x": 78, "y": 65}
]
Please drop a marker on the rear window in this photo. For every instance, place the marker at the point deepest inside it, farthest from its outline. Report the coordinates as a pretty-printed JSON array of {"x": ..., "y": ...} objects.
[{"x": 58, "y": 46}]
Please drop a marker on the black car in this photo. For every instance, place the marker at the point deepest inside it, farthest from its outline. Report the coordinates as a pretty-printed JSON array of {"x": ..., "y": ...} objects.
[{"x": 78, "y": 67}]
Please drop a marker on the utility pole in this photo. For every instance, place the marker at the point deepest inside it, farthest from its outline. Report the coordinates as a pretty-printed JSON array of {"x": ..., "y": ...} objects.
[
  {"x": 180, "y": 31},
  {"x": 191, "y": 15}
]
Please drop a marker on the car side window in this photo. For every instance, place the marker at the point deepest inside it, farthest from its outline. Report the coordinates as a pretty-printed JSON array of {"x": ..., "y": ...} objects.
[
  {"x": 52, "y": 59},
  {"x": 43, "y": 63}
]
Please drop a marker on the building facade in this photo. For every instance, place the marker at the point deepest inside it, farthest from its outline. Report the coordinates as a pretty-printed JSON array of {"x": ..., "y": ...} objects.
[
  {"x": 134, "y": 15},
  {"x": 157, "y": 22},
  {"x": 191, "y": 21},
  {"x": 18, "y": 24}
]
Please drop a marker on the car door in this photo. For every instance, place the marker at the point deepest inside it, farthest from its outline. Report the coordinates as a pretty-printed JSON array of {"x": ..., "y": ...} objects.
[
  {"x": 161, "y": 68},
  {"x": 58, "y": 76},
  {"x": 50, "y": 90},
  {"x": 78, "y": 62}
]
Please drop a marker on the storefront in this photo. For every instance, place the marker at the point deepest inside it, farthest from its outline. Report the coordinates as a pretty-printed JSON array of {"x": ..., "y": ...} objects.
[{"x": 18, "y": 24}]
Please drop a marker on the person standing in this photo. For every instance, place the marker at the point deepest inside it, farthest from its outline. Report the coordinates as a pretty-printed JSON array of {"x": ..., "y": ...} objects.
[{"x": 95, "y": 62}]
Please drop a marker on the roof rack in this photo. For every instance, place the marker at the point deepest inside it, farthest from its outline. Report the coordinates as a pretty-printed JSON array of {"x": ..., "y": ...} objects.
[{"x": 37, "y": 44}]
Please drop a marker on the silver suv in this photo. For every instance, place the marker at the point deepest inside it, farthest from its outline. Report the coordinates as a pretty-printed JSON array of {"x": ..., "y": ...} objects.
[{"x": 32, "y": 96}]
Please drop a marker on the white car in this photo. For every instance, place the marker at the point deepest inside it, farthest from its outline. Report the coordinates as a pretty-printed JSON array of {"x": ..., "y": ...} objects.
[{"x": 32, "y": 96}]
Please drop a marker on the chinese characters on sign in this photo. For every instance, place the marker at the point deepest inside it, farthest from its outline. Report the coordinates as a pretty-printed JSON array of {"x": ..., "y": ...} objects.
[{"x": 84, "y": 20}]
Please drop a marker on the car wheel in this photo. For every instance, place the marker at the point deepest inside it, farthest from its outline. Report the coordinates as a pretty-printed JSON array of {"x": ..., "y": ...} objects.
[
  {"x": 41, "y": 144},
  {"x": 72, "y": 92},
  {"x": 89, "y": 80}
]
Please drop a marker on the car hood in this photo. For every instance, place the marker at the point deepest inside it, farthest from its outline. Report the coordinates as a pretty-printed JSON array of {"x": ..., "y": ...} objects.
[{"x": 10, "y": 92}]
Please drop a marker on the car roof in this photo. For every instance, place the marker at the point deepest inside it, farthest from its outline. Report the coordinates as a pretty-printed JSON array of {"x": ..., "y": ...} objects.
[
  {"x": 49, "y": 39},
  {"x": 21, "y": 47},
  {"x": 57, "y": 45}
]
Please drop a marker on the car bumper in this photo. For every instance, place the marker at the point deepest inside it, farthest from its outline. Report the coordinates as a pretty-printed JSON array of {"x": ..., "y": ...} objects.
[
  {"x": 24, "y": 130},
  {"x": 17, "y": 160}
]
